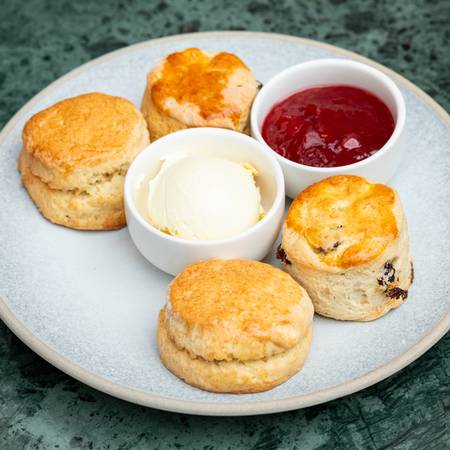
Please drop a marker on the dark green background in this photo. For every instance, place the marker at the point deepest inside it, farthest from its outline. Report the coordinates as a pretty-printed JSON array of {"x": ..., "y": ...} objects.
[{"x": 40, "y": 407}]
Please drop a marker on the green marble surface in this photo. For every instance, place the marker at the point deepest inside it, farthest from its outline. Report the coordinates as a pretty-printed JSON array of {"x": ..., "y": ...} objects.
[{"x": 42, "y": 408}]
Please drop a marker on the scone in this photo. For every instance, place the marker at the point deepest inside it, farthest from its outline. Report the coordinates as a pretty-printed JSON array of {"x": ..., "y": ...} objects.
[
  {"x": 235, "y": 326},
  {"x": 345, "y": 240},
  {"x": 193, "y": 88},
  {"x": 75, "y": 156}
]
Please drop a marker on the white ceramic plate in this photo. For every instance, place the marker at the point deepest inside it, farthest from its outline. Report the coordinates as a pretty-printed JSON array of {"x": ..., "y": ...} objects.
[{"x": 88, "y": 302}]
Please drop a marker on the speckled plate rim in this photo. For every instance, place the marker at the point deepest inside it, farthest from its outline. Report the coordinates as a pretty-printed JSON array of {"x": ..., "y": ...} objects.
[{"x": 220, "y": 408}]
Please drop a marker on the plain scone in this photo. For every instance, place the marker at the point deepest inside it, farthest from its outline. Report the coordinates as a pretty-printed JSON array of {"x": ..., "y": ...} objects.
[
  {"x": 235, "y": 326},
  {"x": 345, "y": 240},
  {"x": 193, "y": 88},
  {"x": 75, "y": 156}
]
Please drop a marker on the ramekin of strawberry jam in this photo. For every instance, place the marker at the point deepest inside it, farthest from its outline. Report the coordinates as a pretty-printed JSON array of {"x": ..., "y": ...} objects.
[
  {"x": 330, "y": 116},
  {"x": 328, "y": 126}
]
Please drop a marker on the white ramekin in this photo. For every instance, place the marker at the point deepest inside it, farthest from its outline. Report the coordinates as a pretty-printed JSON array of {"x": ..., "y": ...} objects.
[
  {"x": 171, "y": 254},
  {"x": 380, "y": 166}
]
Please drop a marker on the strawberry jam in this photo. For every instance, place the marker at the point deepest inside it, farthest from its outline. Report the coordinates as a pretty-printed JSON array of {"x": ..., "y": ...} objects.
[{"x": 328, "y": 126}]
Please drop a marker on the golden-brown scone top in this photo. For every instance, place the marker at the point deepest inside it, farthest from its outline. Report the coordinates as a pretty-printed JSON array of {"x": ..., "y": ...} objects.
[
  {"x": 345, "y": 220},
  {"x": 203, "y": 89},
  {"x": 236, "y": 309},
  {"x": 81, "y": 131}
]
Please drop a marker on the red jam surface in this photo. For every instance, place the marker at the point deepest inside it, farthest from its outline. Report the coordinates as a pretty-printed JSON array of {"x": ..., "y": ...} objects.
[{"x": 328, "y": 126}]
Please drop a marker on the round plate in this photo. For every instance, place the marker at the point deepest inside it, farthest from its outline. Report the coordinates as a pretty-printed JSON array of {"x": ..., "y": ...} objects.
[{"x": 87, "y": 302}]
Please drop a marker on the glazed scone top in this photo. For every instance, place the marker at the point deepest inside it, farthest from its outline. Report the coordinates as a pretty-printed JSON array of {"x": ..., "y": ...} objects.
[
  {"x": 236, "y": 309},
  {"x": 199, "y": 88},
  {"x": 81, "y": 131},
  {"x": 345, "y": 220}
]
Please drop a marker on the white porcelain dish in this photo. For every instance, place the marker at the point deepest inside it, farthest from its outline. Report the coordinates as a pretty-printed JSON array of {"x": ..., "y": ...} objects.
[
  {"x": 380, "y": 166},
  {"x": 172, "y": 254},
  {"x": 88, "y": 301}
]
